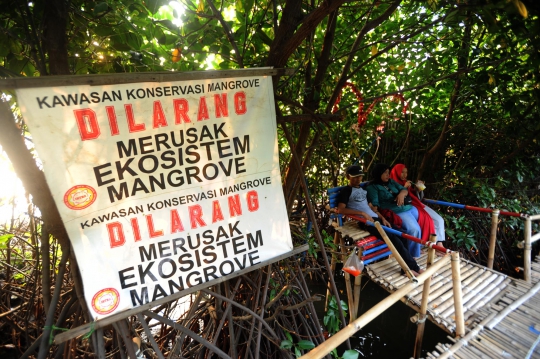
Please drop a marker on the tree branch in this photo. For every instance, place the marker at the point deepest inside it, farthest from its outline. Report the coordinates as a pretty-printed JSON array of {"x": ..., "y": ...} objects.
[
  {"x": 367, "y": 27},
  {"x": 284, "y": 44},
  {"x": 29, "y": 174},
  {"x": 228, "y": 33}
]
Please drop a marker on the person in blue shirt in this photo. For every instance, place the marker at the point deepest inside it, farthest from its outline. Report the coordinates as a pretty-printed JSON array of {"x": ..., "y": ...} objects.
[
  {"x": 352, "y": 199},
  {"x": 385, "y": 193}
]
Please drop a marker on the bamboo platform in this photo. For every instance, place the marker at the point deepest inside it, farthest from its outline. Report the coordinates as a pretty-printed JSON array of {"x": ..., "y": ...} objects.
[
  {"x": 509, "y": 327},
  {"x": 480, "y": 285},
  {"x": 350, "y": 230},
  {"x": 502, "y": 316}
]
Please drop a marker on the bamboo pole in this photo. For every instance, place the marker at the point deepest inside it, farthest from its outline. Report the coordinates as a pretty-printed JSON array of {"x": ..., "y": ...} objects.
[
  {"x": 348, "y": 286},
  {"x": 344, "y": 334},
  {"x": 397, "y": 256},
  {"x": 437, "y": 282},
  {"x": 502, "y": 337},
  {"x": 508, "y": 330},
  {"x": 493, "y": 238},
  {"x": 465, "y": 289},
  {"x": 357, "y": 287},
  {"x": 514, "y": 305},
  {"x": 465, "y": 340},
  {"x": 527, "y": 250},
  {"x": 445, "y": 292},
  {"x": 492, "y": 289},
  {"x": 470, "y": 294},
  {"x": 421, "y": 323},
  {"x": 456, "y": 279}
]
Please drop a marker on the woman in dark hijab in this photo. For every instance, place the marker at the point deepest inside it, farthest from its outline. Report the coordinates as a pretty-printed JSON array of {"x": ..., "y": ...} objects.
[{"x": 385, "y": 193}]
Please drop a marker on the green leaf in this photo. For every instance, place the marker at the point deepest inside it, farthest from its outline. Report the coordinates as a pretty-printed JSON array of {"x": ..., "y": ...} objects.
[
  {"x": 264, "y": 38},
  {"x": 286, "y": 344},
  {"x": 160, "y": 35},
  {"x": 101, "y": 7},
  {"x": 169, "y": 25},
  {"x": 154, "y": 5},
  {"x": 350, "y": 354},
  {"x": 134, "y": 40},
  {"x": 239, "y": 5},
  {"x": 248, "y": 5},
  {"x": 4, "y": 240},
  {"x": 306, "y": 344},
  {"x": 29, "y": 70},
  {"x": 297, "y": 352},
  {"x": 17, "y": 65},
  {"x": 103, "y": 30},
  {"x": 118, "y": 43},
  {"x": 289, "y": 336},
  {"x": 4, "y": 50}
]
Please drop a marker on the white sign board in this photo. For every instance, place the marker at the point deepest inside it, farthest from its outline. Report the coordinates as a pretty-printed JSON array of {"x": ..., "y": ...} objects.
[{"x": 161, "y": 186}]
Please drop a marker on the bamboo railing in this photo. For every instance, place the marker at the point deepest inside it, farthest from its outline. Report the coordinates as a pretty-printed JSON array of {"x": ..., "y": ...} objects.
[{"x": 526, "y": 244}]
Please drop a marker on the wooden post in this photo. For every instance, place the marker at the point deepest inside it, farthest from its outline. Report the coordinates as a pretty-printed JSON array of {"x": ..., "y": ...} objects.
[
  {"x": 398, "y": 257},
  {"x": 423, "y": 306},
  {"x": 493, "y": 238},
  {"x": 335, "y": 340},
  {"x": 458, "y": 305},
  {"x": 527, "y": 250}
]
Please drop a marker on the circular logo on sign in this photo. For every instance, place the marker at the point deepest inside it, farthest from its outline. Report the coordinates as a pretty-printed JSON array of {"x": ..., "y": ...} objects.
[
  {"x": 106, "y": 301},
  {"x": 80, "y": 197}
]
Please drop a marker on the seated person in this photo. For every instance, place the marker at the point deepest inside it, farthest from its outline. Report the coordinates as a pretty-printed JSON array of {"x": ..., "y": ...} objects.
[
  {"x": 399, "y": 174},
  {"x": 385, "y": 193},
  {"x": 353, "y": 200}
]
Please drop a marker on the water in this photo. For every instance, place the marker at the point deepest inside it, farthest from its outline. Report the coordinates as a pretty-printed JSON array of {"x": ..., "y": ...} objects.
[{"x": 391, "y": 334}]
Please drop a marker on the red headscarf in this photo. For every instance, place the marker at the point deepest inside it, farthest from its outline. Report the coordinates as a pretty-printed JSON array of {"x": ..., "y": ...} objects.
[{"x": 424, "y": 220}]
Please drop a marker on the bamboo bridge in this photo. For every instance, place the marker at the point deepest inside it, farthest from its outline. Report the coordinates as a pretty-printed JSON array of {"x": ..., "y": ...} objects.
[
  {"x": 488, "y": 314},
  {"x": 507, "y": 326}
]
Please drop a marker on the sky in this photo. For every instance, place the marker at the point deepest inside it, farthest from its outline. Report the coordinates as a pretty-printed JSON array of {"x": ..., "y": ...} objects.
[{"x": 11, "y": 189}]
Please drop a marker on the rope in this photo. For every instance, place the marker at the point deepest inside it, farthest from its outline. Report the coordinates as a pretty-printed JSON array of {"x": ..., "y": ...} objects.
[
  {"x": 52, "y": 328},
  {"x": 89, "y": 334}
]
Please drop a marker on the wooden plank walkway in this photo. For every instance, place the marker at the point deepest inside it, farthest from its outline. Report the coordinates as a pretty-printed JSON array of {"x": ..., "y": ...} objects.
[
  {"x": 479, "y": 286},
  {"x": 509, "y": 327},
  {"x": 502, "y": 314}
]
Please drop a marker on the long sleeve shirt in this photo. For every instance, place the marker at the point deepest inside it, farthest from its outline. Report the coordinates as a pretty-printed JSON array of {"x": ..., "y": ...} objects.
[{"x": 384, "y": 196}]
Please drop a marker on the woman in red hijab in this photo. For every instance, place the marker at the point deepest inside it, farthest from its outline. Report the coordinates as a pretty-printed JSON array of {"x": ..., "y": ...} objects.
[{"x": 429, "y": 220}]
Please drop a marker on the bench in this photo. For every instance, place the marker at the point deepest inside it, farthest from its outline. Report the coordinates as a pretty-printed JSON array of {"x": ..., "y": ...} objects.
[{"x": 371, "y": 248}]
